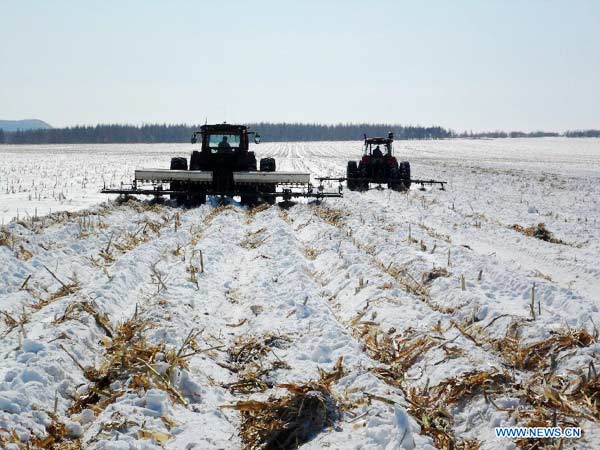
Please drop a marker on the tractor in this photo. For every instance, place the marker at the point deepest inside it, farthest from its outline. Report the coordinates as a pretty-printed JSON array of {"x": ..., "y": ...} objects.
[
  {"x": 378, "y": 165},
  {"x": 223, "y": 166}
]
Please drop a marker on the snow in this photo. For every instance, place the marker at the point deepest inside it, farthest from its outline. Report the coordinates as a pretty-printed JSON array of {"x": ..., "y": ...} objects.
[
  {"x": 156, "y": 402},
  {"x": 30, "y": 346},
  {"x": 315, "y": 282}
]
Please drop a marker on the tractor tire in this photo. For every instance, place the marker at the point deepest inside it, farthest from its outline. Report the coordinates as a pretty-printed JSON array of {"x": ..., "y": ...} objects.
[
  {"x": 249, "y": 200},
  {"x": 251, "y": 162},
  {"x": 404, "y": 170},
  {"x": 178, "y": 163},
  {"x": 197, "y": 199},
  {"x": 396, "y": 184},
  {"x": 195, "y": 161},
  {"x": 268, "y": 165},
  {"x": 351, "y": 173},
  {"x": 270, "y": 200}
]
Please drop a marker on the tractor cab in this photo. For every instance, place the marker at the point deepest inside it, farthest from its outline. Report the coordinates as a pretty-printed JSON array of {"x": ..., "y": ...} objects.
[
  {"x": 378, "y": 151},
  {"x": 223, "y": 151},
  {"x": 224, "y": 138},
  {"x": 378, "y": 147}
]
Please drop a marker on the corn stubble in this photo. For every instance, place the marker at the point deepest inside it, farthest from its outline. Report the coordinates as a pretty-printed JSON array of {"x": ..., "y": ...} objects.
[{"x": 282, "y": 423}]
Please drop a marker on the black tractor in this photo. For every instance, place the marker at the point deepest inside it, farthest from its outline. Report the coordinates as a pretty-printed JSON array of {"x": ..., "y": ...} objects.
[
  {"x": 378, "y": 165},
  {"x": 225, "y": 150},
  {"x": 223, "y": 166}
]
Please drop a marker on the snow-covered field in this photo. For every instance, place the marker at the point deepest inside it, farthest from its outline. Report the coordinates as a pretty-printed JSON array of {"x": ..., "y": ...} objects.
[{"x": 425, "y": 317}]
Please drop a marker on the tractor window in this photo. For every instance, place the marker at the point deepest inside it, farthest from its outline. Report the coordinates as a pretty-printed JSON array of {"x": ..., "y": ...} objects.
[{"x": 224, "y": 142}]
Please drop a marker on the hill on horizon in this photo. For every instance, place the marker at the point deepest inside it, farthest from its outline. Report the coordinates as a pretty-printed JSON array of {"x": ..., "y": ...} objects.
[{"x": 25, "y": 124}]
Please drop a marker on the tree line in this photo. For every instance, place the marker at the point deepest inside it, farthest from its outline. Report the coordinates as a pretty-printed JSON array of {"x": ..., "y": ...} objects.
[
  {"x": 507, "y": 134},
  {"x": 583, "y": 133},
  {"x": 531, "y": 134},
  {"x": 271, "y": 132},
  {"x": 279, "y": 132}
]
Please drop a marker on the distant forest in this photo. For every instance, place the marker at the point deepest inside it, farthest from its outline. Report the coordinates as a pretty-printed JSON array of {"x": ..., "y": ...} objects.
[{"x": 270, "y": 132}]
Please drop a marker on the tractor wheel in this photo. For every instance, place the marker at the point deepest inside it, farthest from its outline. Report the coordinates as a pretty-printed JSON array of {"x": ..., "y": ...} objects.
[
  {"x": 195, "y": 160},
  {"x": 261, "y": 200},
  {"x": 396, "y": 184},
  {"x": 267, "y": 165},
  {"x": 251, "y": 162},
  {"x": 270, "y": 200},
  {"x": 178, "y": 163},
  {"x": 269, "y": 188},
  {"x": 251, "y": 198},
  {"x": 404, "y": 170},
  {"x": 197, "y": 199},
  {"x": 351, "y": 173}
]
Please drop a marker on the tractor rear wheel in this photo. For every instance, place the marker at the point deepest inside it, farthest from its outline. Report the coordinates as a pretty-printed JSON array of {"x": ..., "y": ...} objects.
[
  {"x": 178, "y": 163},
  {"x": 197, "y": 198},
  {"x": 195, "y": 160},
  {"x": 404, "y": 170},
  {"x": 249, "y": 200},
  {"x": 396, "y": 183},
  {"x": 351, "y": 174},
  {"x": 268, "y": 165}
]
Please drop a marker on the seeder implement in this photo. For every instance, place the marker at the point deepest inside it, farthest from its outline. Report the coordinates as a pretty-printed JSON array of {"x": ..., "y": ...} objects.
[
  {"x": 380, "y": 181},
  {"x": 270, "y": 192}
]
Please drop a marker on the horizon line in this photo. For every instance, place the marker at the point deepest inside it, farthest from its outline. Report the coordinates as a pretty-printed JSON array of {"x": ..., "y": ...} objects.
[{"x": 323, "y": 124}]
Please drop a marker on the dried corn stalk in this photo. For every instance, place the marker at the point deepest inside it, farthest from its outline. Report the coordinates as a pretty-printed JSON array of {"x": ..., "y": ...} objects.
[{"x": 287, "y": 422}]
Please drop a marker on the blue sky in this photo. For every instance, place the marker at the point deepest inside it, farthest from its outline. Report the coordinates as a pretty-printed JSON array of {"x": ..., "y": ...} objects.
[{"x": 461, "y": 64}]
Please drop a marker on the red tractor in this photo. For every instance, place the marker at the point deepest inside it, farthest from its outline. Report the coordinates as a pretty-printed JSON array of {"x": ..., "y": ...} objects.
[{"x": 379, "y": 165}]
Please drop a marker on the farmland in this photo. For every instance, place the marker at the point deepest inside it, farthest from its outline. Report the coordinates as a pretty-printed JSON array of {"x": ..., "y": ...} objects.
[{"x": 418, "y": 320}]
